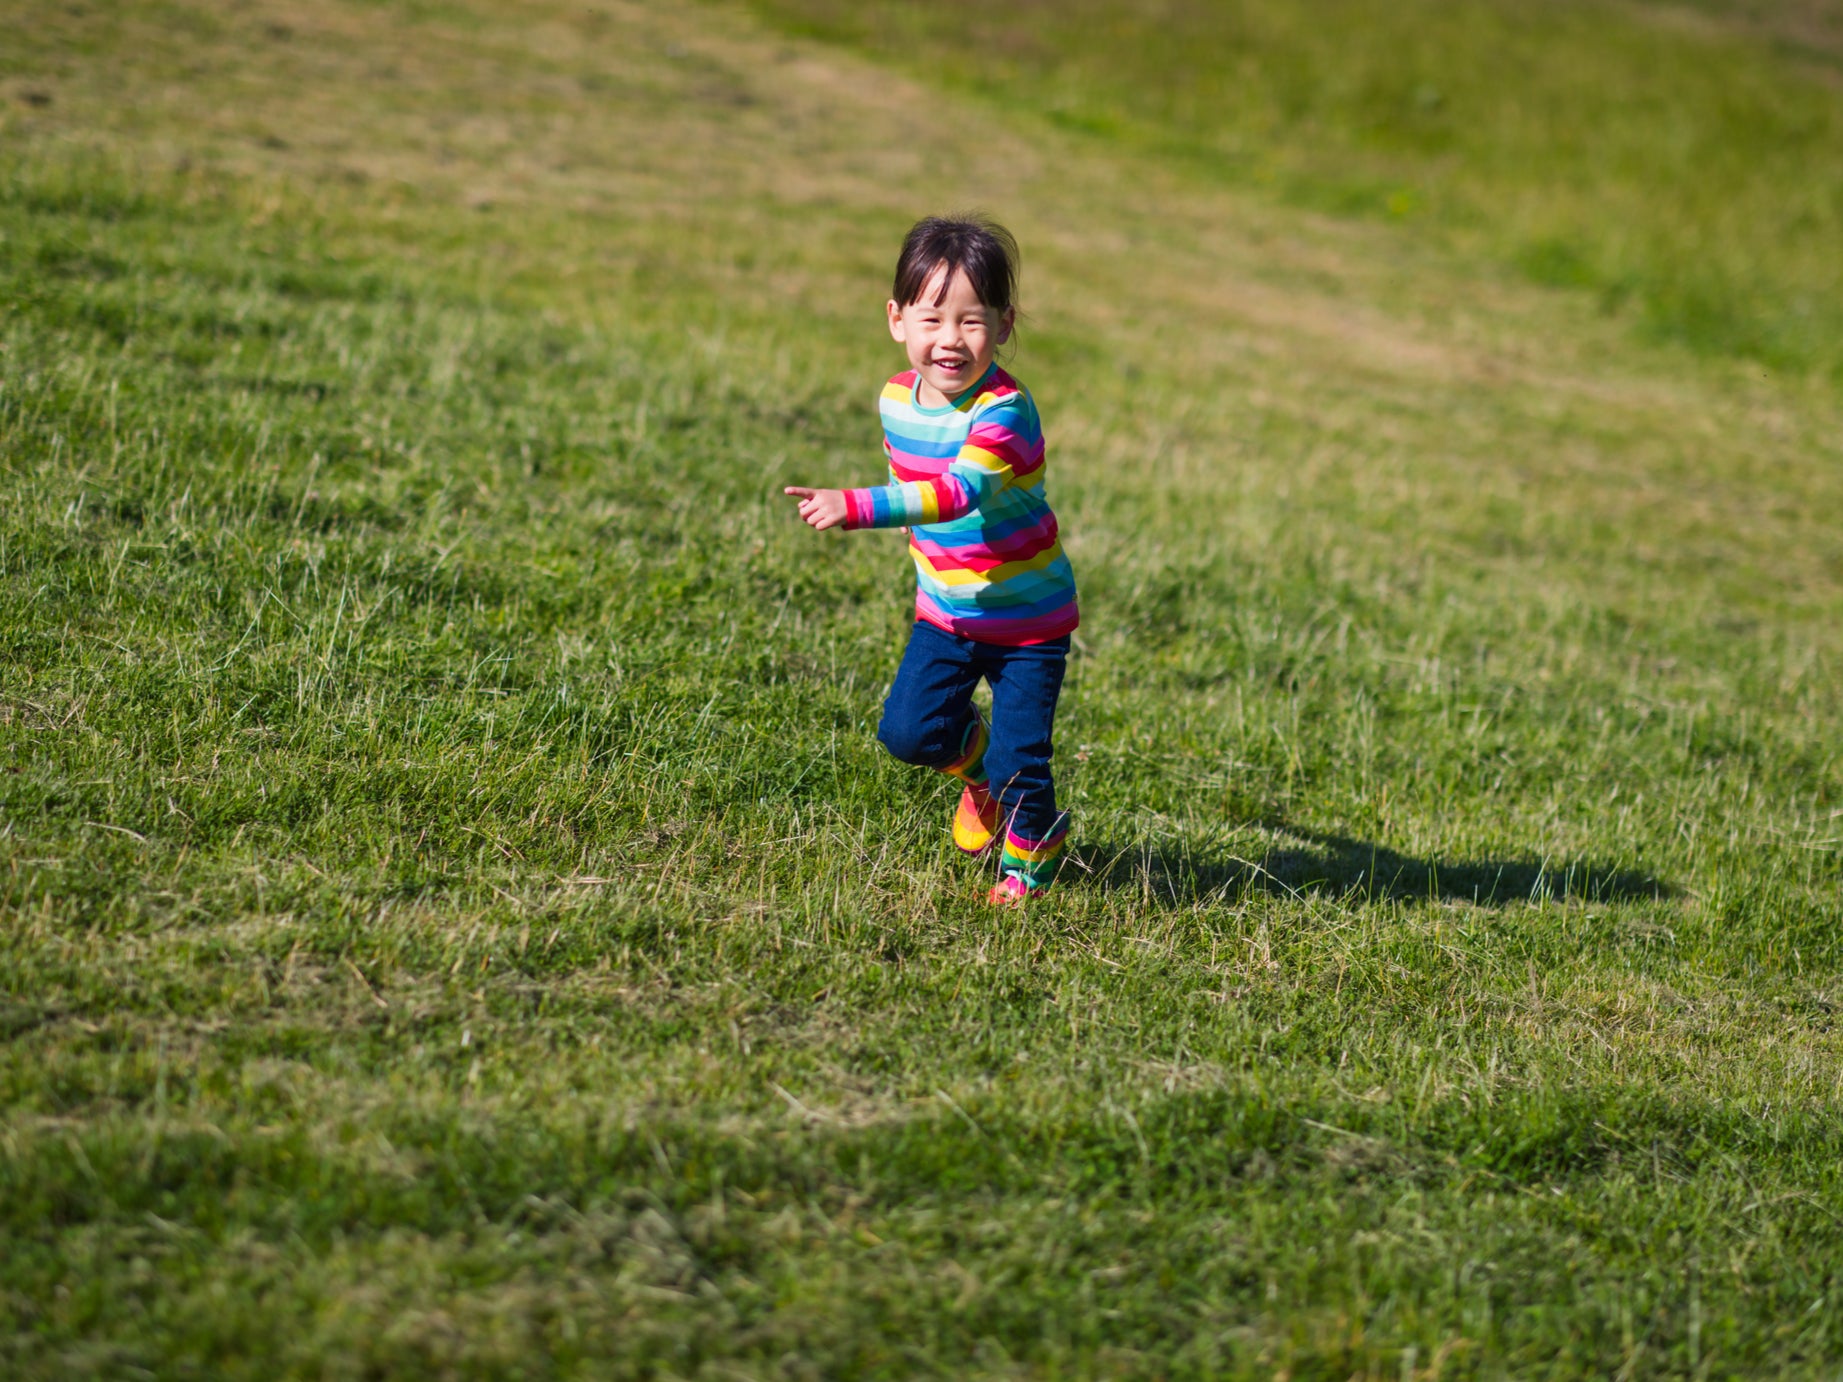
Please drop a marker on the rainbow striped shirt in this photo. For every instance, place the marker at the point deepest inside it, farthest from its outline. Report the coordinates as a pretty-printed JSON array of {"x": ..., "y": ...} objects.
[{"x": 967, "y": 479}]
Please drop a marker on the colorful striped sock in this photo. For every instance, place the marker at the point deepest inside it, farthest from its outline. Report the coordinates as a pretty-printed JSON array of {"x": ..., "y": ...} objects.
[{"x": 1034, "y": 861}]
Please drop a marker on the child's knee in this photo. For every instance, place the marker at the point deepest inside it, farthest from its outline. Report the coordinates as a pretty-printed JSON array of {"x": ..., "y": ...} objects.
[{"x": 909, "y": 741}]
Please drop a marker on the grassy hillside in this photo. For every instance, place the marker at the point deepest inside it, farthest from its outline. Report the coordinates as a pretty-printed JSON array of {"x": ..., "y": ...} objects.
[
  {"x": 455, "y": 919},
  {"x": 1668, "y": 160}
]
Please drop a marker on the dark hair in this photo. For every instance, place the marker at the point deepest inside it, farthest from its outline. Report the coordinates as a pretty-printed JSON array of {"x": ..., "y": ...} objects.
[{"x": 981, "y": 249}]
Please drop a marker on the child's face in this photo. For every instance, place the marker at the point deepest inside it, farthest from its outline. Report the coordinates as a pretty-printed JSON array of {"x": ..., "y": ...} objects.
[{"x": 949, "y": 342}]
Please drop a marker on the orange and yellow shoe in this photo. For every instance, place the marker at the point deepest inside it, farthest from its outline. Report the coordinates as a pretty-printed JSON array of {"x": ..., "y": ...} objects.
[{"x": 975, "y": 823}]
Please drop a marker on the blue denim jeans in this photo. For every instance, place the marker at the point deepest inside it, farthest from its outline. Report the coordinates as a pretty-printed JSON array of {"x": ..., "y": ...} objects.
[{"x": 930, "y": 707}]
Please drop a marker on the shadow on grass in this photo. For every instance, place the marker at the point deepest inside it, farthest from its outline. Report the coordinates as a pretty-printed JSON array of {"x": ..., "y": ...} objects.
[{"x": 1339, "y": 866}]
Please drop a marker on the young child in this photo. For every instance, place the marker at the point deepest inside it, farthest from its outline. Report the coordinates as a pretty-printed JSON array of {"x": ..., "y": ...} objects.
[{"x": 995, "y": 597}]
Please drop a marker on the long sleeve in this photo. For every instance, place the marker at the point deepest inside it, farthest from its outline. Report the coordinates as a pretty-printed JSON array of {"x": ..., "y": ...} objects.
[{"x": 1000, "y": 444}]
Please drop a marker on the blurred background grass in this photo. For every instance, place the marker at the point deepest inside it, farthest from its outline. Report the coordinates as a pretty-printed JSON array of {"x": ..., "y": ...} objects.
[{"x": 1666, "y": 160}]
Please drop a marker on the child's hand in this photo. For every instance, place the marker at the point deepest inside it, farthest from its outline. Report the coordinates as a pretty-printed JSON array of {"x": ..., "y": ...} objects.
[{"x": 822, "y": 508}]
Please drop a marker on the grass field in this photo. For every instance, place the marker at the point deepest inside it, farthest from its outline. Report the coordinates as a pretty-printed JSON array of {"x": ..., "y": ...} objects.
[{"x": 455, "y": 920}]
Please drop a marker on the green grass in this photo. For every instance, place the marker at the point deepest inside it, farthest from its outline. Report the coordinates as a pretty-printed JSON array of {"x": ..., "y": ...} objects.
[
  {"x": 1663, "y": 161},
  {"x": 455, "y": 920}
]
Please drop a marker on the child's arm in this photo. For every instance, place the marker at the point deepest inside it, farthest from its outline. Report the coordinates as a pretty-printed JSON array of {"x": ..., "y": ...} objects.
[{"x": 1003, "y": 442}]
